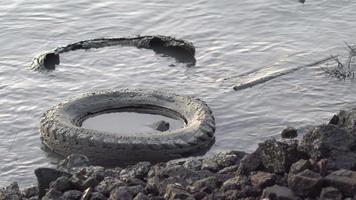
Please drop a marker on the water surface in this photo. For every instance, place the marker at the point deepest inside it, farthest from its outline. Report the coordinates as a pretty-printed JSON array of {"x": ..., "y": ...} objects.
[{"x": 232, "y": 38}]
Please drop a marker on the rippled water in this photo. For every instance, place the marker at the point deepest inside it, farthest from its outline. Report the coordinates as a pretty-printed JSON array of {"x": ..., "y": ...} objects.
[{"x": 232, "y": 38}]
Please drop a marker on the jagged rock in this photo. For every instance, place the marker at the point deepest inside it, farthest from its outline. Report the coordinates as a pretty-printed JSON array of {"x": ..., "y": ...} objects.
[
  {"x": 86, "y": 194},
  {"x": 61, "y": 184},
  {"x": 262, "y": 179},
  {"x": 344, "y": 180},
  {"x": 221, "y": 160},
  {"x": 207, "y": 185},
  {"x": 249, "y": 163},
  {"x": 229, "y": 170},
  {"x": 200, "y": 195},
  {"x": 108, "y": 184},
  {"x": 30, "y": 192},
  {"x": 235, "y": 183},
  {"x": 194, "y": 164},
  {"x": 345, "y": 119},
  {"x": 176, "y": 191},
  {"x": 278, "y": 156},
  {"x": 140, "y": 170},
  {"x": 97, "y": 196},
  {"x": 45, "y": 176},
  {"x": 335, "y": 144},
  {"x": 278, "y": 193},
  {"x": 289, "y": 132},
  {"x": 121, "y": 193},
  {"x": 53, "y": 194},
  {"x": 141, "y": 196},
  {"x": 11, "y": 192},
  {"x": 72, "y": 195},
  {"x": 306, "y": 183},
  {"x": 299, "y": 166},
  {"x": 161, "y": 126},
  {"x": 73, "y": 161},
  {"x": 330, "y": 193}
]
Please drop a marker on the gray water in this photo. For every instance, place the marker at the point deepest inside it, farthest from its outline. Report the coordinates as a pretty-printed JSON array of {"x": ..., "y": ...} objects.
[
  {"x": 232, "y": 38},
  {"x": 128, "y": 123}
]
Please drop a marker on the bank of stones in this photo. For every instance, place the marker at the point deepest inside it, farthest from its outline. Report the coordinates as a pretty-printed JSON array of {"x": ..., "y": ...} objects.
[{"x": 320, "y": 166}]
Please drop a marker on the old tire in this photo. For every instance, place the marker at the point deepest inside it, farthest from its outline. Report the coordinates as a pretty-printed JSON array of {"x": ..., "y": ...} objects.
[{"x": 60, "y": 128}]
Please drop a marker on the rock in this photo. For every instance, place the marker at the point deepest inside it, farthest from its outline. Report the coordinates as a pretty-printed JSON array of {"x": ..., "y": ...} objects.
[
  {"x": 30, "y": 192},
  {"x": 344, "y": 180},
  {"x": 207, "y": 185},
  {"x": 72, "y": 195},
  {"x": 330, "y": 193},
  {"x": 194, "y": 164},
  {"x": 277, "y": 157},
  {"x": 97, "y": 196},
  {"x": 108, "y": 184},
  {"x": 289, "y": 132},
  {"x": 306, "y": 183},
  {"x": 176, "y": 191},
  {"x": 278, "y": 193},
  {"x": 249, "y": 163},
  {"x": 139, "y": 171},
  {"x": 121, "y": 193},
  {"x": 262, "y": 179},
  {"x": 220, "y": 161},
  {"x": 334, "y": 120},
  {"x": 229, "y": 170},
  {"x": 332, "y": 143},
  {"x": 53, "y": 194},
  {"x": 161, "y": 126},
  {"x": 11, "y": 192},
  {"x": 45, "y": 176},
  {"x": 200, "y": 195},
  {"x": 299, "y": 166},
  {"x": 345, "y": 119},
  {"x": 73, "y": 161},
  {"x": 61, "y": 184},
  {"x": 235, "y": 183},
  {"x": 141, "y": 196}
]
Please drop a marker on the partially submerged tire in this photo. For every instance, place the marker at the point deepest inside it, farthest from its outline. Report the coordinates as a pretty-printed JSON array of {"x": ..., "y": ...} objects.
[{"x": 61, "y": 129}]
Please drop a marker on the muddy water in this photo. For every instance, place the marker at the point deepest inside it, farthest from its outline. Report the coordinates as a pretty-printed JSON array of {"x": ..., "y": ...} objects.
[
  {"x": 232, "y": 39},
  {"x": 128, "y": 123}
]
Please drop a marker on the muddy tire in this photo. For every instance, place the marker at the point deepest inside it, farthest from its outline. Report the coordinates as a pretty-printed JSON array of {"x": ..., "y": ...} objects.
[{"x": 61, "y": 130}]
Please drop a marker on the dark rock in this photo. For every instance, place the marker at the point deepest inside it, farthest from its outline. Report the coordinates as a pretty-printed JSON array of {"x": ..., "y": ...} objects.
[
  {"x": 90, "y": 182},
  {"x": 11, "y": 192},
  {"x": 61, "y": 184},
  {"x": 73, "y": 161},
  {"x": 249, "y": 163},
  {"x": 278, "y": 156},
  {"x": 229, "y": 170},
  {"x": 200, "y": 195},
  {"x": 139, "y": 171},
  {"x": 45, "y": 176},
  {"x": 121, "y": 193},
  {"x": 343, "y": 180},
  {"x": 194, "y": 164},
  {"x": 334, "y": 120},
  {"x": 72, "y": 195},
  {"x": 235, "y": 183},
  {"x": 141, "y": 196},
  {"x": 289, "y": 132},
  {"x": 278, "y": 193},
  {"x": 207, "y": 185},
  {"x": 53, "y": 194},
  {"x": 220, "y": 161},
  {"x": 97, "y": 196},
  {"x": 299, "y": 166},
  {"x": 161, "y": 126},
  {"x": 262, "y": 179},
  {"x": 306, "y": 183},
  {"x": 108, "y": 184},
  {"x": 330, "y": 193},
  {"x": 176, "y": 191},
  {"x": 332, "y": 143},
  {"x": 30, "y": 192}
]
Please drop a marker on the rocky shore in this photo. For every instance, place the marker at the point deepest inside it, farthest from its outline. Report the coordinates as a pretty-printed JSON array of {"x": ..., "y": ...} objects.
[{"x": 319, "y": 166}]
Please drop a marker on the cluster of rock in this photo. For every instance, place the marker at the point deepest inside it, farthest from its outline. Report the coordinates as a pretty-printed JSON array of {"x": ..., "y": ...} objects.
[{"x": 320, "y": 166}]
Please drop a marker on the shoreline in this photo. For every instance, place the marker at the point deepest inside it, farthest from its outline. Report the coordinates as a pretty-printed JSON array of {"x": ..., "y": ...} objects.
[{"x": 318, "y": 166}]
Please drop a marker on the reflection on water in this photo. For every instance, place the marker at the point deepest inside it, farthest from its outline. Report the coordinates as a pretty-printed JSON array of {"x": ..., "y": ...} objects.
[
  {"x": 126, "y": 123},
  {"x": 232, "y": 39}
]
